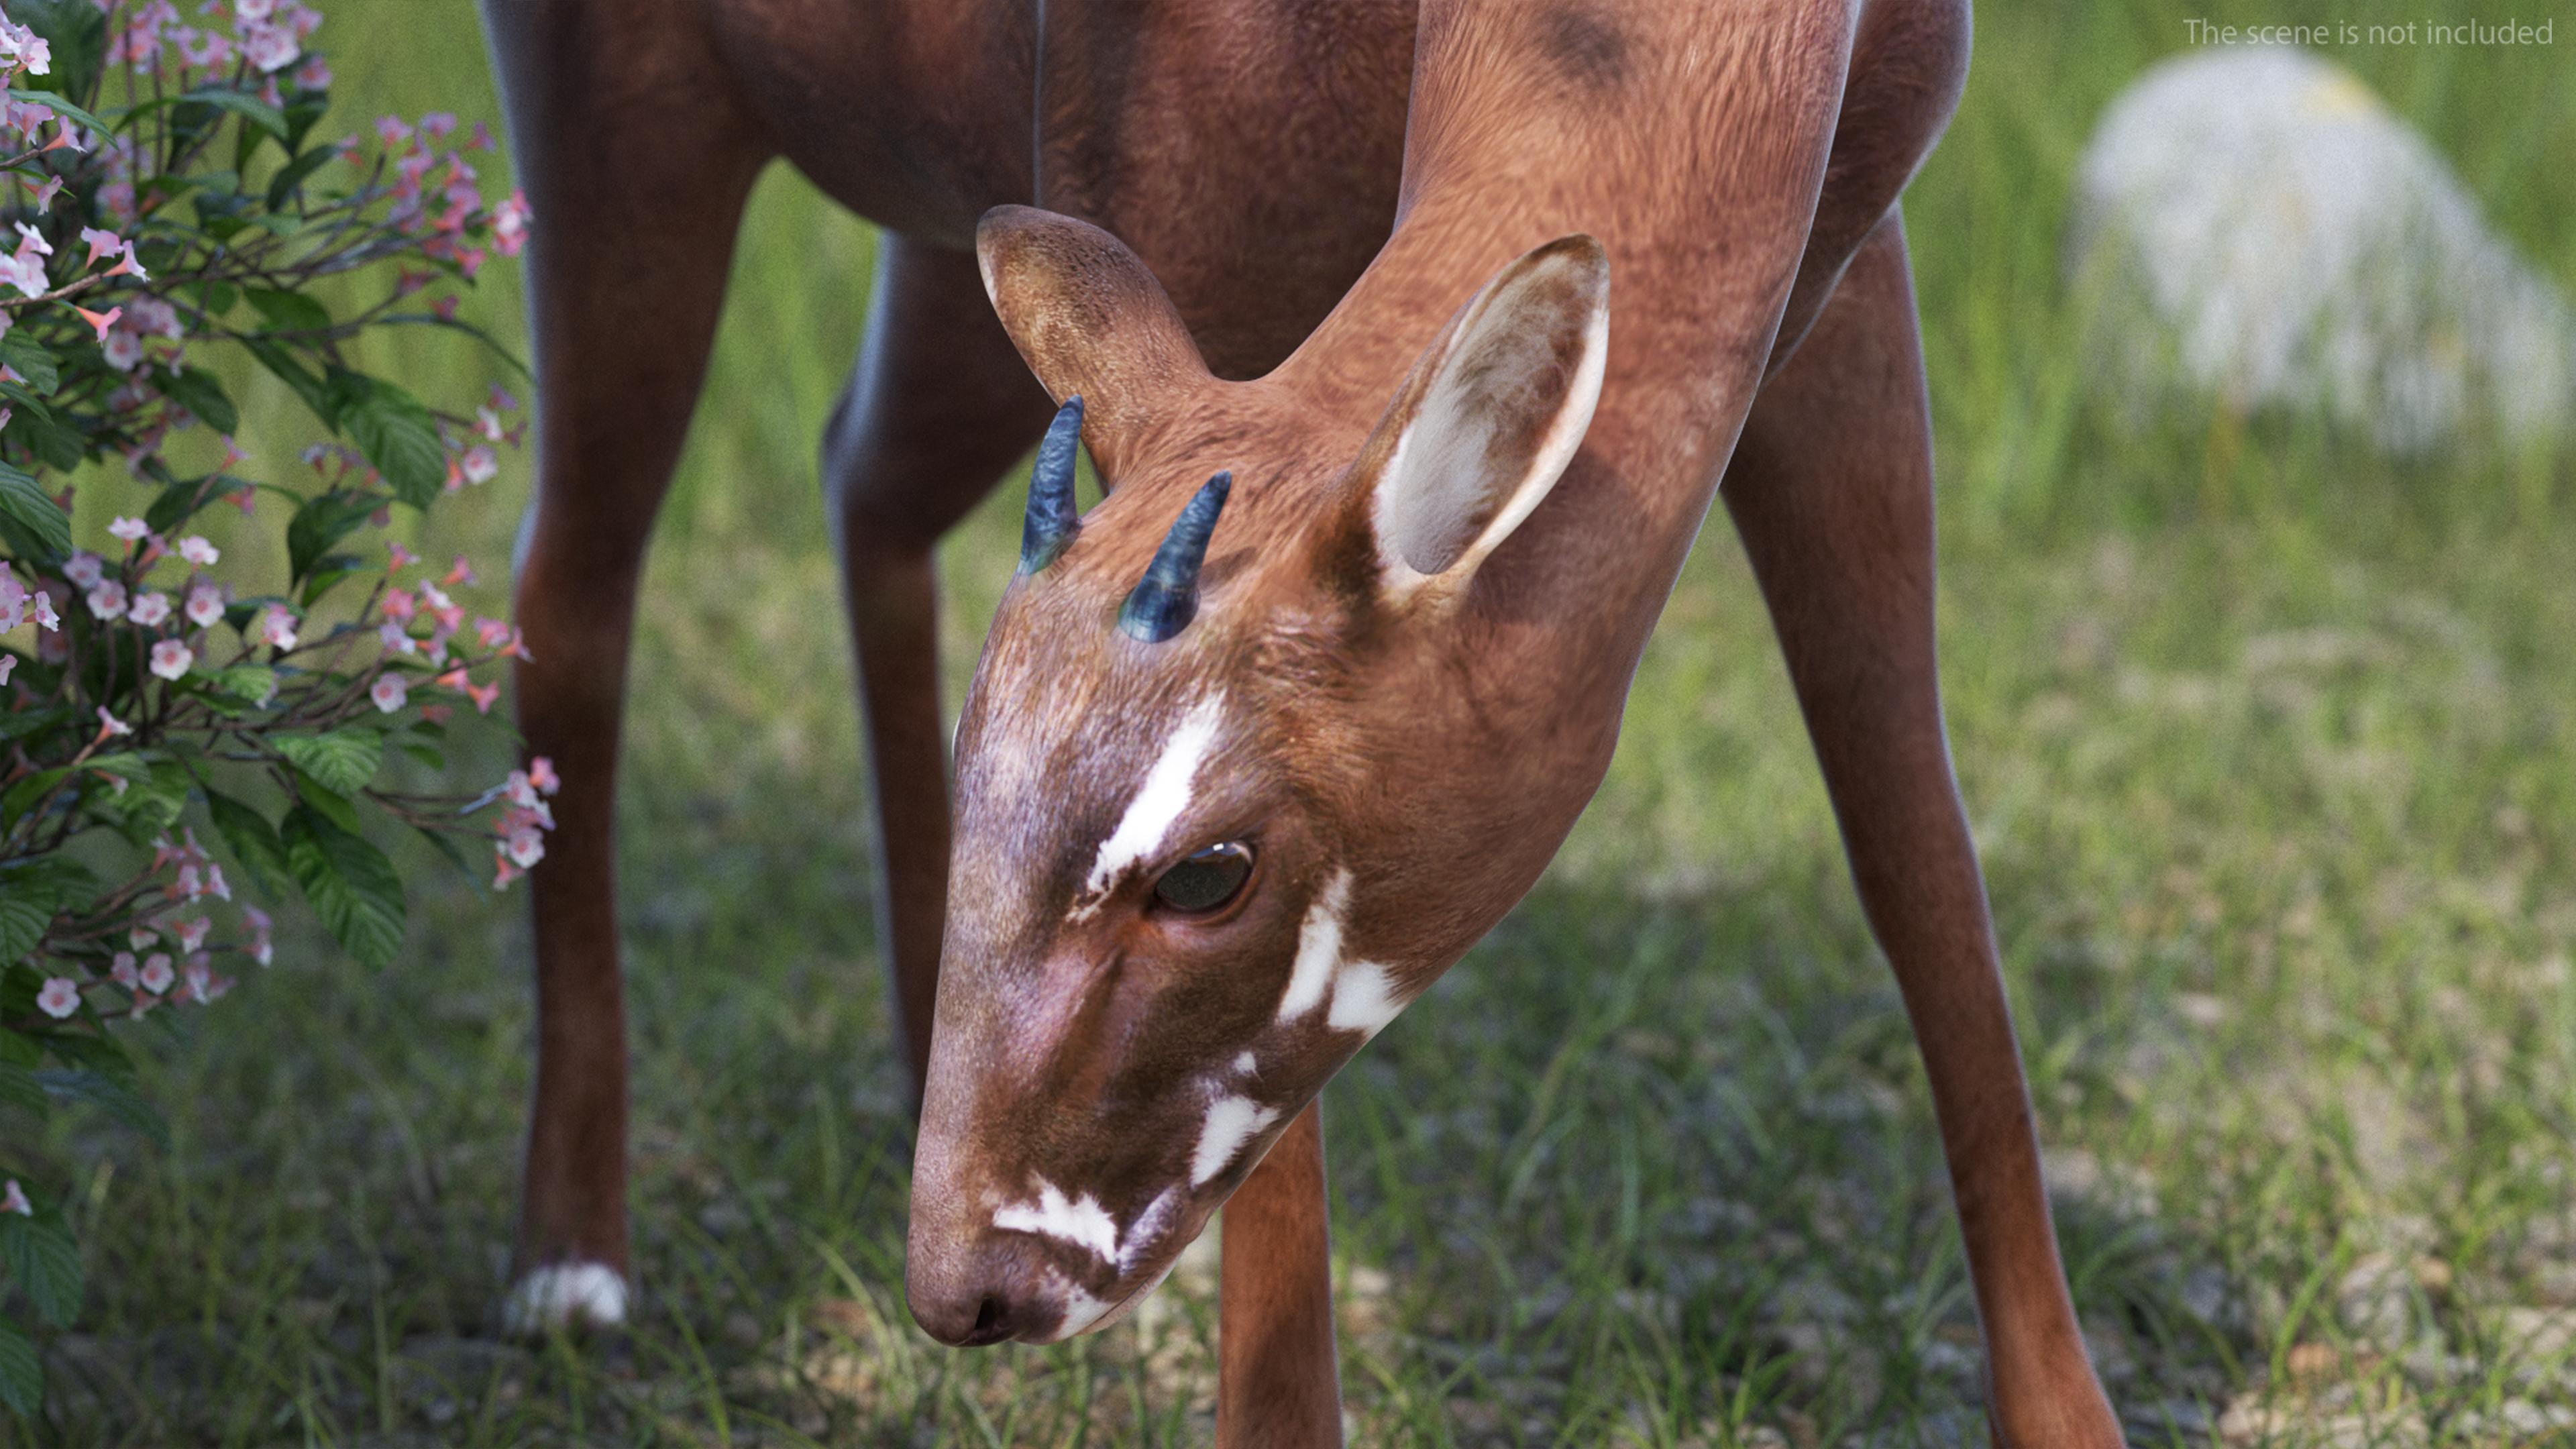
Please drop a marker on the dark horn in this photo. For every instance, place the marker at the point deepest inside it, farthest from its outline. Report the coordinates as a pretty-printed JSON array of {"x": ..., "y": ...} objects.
[
  {"x": 1167, "y": 598},
  {"x": 1053, "y": 520}
]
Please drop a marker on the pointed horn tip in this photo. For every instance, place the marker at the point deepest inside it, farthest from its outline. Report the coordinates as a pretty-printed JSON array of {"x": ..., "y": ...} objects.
[
  {"x": 1053, "y": 519},
  {"x": 1166, "y": 599}
]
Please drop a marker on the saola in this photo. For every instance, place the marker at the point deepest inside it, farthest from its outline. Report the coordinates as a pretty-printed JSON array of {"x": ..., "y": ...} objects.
[{"x": 1413, "y": 348}]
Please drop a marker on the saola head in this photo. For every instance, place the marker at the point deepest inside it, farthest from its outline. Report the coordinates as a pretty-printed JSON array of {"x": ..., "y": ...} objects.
[{"x": 1229, "y": 794}]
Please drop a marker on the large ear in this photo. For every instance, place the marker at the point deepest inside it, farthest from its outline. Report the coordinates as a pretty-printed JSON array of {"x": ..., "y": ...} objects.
[
  {"x": 1488, "y": 419},
  {"x": 1092, "y": 322}
]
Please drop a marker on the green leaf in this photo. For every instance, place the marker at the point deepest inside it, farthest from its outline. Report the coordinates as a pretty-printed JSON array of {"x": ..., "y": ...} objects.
[
  {"x": 289, "y": 311},
  {"x": 53, "y": 445},
  {"x": 22, "y": 1379},
  {"x": 428, "y": 755},
  {"x": 61, "y": 107},
  {"x": 42, "y": 1257},
  {"x": 328, "y": 571},
  {"x": 18, "y": 1087},
  {"x": 352, "y": 886},
  {"x": 253, "y": 843},
  {"x": 109, "y": 1094},
  {"x": 31, "y": 892},
  {"x": 20, "y": 397},
  {"x": 33, "y": 360},
  {"x": 282, "y": 186},
  {"x": 250, "y": 108},
  {"x": 323, "y": 521},
  {"x": 22, "y": 500},
  {"x": 445, "y": 845},
  {"x": 274, "y": 356},
  {"x": 254, "y": 684},
  {"x": 197, "y": 390},
  {"x": 333, "y": 805},
  {"x": 342, "y": 762},
  {"x": 18, "y": 1050},
  {"x": 31, "y": 722},
  {"x": 151, "y": 800},
  {"x": 396, "y": 433},
  {"x": 22, "y": 797}
]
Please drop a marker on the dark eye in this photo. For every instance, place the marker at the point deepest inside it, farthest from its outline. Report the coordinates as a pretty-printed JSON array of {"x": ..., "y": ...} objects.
[{"x": 1206, "y": 880}]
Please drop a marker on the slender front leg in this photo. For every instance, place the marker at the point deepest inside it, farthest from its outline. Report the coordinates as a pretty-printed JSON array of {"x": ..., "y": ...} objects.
[
  {"x": 1279, "y": 1383},
  {"x": 939, "y": 405},
  {"x": 636, "y": 189},
  {"x": 1831, "y": 487}
]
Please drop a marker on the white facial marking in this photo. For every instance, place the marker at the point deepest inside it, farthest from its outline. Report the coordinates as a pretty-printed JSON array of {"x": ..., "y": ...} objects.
[
  {"x": 1158, "y": 803},
  {"x": 1147, "y": 1227},
  {"x": 1231, "y": 1122},
  {"x": 1081, "y": 1310},
  {"x": 1246, "y": 1064},
  {"x": 1082, "y": 1222},
  {"x": 560, "y": 1295},
  {"x": 1319, "y": 949},
  {"x": 1364, "y": 999}
]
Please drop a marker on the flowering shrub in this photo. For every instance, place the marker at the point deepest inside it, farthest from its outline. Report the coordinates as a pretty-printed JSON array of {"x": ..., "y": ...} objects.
[{"x": 169, "y": 198}]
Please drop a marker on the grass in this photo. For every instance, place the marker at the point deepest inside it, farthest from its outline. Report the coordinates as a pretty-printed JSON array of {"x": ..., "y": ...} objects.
[{"x": 2267, "y": 743}]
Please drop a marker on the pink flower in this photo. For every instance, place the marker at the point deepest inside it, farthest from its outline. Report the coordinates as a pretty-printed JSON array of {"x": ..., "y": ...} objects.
[
  {"x": 109, "y": 724},
  {"x": 100, "y": 321},
  {"x": 205, "y": 605},
  {"x": 479, "y": 464},
  {"x": 510, "y": 223},
  {"x": 462, "y": 573},
  {"x": 8, "y": 662},
  {"x": 400, "y": 557},
  {"x": 128, "y": 264},
  {"x": 149, "y": 608},
  {"x": 60, "y": 998},
  {"x": 107, "y": 601},
  {"x": 518, "y": 789},
  {"x": 122, "y": 349},
  {"x": 84, "y": 568},
  {"x": 157, "y": 974},
  {"x": 483, "y": 696},
  {"x": 260, "y": 950},
  {"x": 32, "y": 240},
  {"x": 541, "y": 773},
  {"x": 170, "y": 657},
  {"x": 101, "y": 244},
  {"x": 269, "y": 47},
  {"x": 253, "y": 9},
  {"x": 196, "y": 550},
  {"x": 314, "y": 74},
  {"x": 192, "y": 934},
  {"x": 216, "y": 885},
  {"x": 155, "y": 318},
  {"x": 399, "y": 604},
  {"x": 525, "y": 847},
  {"x": 129, "y": 529},
  {"x": 122, "y": 972},
  {"x": 45, "y": 616},
  {"x": 24, "y": 272},
  {"x": 390, "y": 691},
  {"x": 13, "y": 1199},
  {"x": 141, "y": 936},
  {"x": 395, "y": 640},
  {"x": 277, "y": 626}
]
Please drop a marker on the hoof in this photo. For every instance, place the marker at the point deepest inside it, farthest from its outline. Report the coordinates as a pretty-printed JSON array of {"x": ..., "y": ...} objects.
[{"x": 560, "y": 1296}]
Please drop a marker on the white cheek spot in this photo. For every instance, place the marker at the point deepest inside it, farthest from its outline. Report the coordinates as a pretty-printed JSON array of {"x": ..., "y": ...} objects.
[
  {"x": 1246, "y": 1064},
  {"x": 1319, "y": 949},
  {"x": 1364, "y": 999},
  {"x": 1148, "y": 1226},
  {"x": 560, "y": 1295},
  {"x": 1231, "y": 1122},
  {"x": 1082, "y": 1222},
  {"x": 1158, "y": 803}
]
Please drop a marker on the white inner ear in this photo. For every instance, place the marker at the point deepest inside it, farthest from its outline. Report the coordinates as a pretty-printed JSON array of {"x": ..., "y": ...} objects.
[{"x": 1496, "y": 426}]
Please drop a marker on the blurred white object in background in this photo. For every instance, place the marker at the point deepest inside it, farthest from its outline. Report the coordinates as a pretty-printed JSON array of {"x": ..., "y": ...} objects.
[{"x": 2253, "y": 226}]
